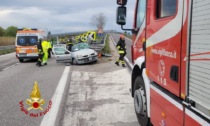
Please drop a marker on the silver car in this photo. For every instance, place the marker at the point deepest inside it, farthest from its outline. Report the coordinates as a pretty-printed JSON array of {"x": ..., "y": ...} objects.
[{"x": 79, "y": 54}]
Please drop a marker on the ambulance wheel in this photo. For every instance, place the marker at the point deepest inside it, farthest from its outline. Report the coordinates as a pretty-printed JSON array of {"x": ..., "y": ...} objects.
[
  {"x": 140, "y": 104},
  {"x": 21, "y": 60}
]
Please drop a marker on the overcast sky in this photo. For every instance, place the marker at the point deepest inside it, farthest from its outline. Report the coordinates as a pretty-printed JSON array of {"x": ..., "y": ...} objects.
[{"x": 60, "y": 16}]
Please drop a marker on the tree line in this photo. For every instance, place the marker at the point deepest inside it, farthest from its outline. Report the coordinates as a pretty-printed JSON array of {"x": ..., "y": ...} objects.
[{"x": 9, "y": 31}]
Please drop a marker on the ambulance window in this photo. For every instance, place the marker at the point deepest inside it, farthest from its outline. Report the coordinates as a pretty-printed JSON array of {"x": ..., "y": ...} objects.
[
  {"x": 33, "y": 40},
  {"x": 141, "y": 11},
  {"x": 21, "y": 40},
  {"x": 166, "y": 8}
]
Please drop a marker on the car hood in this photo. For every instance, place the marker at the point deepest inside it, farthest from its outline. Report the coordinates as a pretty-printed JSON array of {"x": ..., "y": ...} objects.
[{"x": 84, "y": 52}]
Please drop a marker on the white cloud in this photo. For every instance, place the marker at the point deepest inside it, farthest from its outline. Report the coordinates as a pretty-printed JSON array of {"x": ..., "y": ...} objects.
[{"x": 60, "y": 16}]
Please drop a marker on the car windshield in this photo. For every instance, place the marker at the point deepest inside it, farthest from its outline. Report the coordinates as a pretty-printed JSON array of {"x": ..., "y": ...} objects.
[{"x": 80, "y": 46}]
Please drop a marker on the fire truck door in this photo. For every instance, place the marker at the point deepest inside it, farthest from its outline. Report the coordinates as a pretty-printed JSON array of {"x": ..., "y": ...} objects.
[{"x": 163, "y": 43}]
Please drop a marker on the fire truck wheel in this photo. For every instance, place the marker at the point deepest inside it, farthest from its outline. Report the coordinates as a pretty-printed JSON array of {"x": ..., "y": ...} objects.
[{"x": 140, "y": 102}]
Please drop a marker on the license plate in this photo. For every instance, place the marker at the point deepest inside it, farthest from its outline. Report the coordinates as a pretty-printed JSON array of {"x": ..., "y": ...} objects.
[
  {"x": 90, "y": 58},
  {"x": 32, "y": 54},
  {"x": 22, "y": 51},
  {"x": 21, "y": 55}
]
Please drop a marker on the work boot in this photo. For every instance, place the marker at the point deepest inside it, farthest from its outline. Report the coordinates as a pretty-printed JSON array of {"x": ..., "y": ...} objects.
[
  {"x": 45, "y": 63},
  {"x": 39, "y": 65},
  {"x": 117, "y": 63},
  {"x": 123, "y": 65}
]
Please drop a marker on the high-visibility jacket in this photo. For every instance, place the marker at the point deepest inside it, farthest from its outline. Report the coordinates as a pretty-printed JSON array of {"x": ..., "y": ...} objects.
[
  {"x": 121, "y": 46},
  {"x": 49, "y": 45},
  {"x": 45, "y": 46}
]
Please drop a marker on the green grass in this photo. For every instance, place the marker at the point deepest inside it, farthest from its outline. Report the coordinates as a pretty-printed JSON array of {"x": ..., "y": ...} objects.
[
  {"x": 106, "y": 49},
  {"x": 6, "y": 51}
]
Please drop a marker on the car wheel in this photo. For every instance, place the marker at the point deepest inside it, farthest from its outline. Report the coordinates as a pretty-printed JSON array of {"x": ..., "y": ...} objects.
[
  {"x": 95, "y": 61},
  {"x": 21, "y": 60},
  {"x": 74, "y": 62},
  {"x": 140, "y": 104}
]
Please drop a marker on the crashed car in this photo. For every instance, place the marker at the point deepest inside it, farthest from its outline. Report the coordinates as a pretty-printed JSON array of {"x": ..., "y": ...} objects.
[{"x": 79, "y": 54}]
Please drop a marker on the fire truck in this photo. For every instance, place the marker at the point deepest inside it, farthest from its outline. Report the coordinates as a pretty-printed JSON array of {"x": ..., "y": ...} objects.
[
  {"x": 26, "y": 43},
  {"x": 170, "y": 80}
]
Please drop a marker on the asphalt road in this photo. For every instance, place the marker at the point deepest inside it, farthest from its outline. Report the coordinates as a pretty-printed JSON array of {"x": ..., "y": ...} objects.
[
  {"x": 7, "y": 61},
  {"x": 17, "y": 81},
  {"x": 99, "y": 95},
  {"x": 107, "y": 96}
]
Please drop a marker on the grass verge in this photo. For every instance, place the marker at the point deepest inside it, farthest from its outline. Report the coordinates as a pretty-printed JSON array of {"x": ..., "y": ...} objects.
[
  {"x": 5, "y": 41},
  {"x": 2, "y": 52},
  {"x": 106, "y": 49}
]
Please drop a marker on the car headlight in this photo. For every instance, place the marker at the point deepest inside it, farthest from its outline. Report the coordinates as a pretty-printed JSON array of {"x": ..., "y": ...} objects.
[{"x": 79, "y": 56}]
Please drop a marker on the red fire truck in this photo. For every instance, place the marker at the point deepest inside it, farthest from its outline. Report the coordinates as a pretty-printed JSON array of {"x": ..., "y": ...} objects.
[{"x": 171, "y": 57}]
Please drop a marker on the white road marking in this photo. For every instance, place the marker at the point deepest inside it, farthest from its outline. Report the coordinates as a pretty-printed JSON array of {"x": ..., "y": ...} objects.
[
  {"x": 10, "y": 66},
  {"x": 50, "y": 118},
  {"x": 7, "y": 55}
]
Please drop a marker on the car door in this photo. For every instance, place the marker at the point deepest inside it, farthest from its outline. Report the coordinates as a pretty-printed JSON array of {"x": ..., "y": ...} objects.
[{"x": 61, "y": 53}]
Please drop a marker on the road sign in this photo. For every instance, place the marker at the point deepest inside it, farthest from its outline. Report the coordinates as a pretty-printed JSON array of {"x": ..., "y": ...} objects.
[
  {"x": 100, "y": 31},
  {"x": 100, "y": 34}
]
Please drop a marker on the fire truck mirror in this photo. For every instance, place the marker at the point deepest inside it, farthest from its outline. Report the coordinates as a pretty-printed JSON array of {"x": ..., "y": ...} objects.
[
  {"x": 122, "y": 2},
  {"x": 121, "y": 15}
]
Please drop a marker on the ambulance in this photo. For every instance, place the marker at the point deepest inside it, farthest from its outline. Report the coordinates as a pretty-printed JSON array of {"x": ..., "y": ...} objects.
[{"x": 26, "y": 43}]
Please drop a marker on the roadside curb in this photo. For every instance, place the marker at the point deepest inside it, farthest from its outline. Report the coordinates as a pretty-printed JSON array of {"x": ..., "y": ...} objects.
[{"x": 128, "y": 63}]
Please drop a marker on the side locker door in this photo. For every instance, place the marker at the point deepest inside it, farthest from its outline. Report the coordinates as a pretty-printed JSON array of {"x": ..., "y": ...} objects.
[
  {"x": 164, "y": 25},
  {"x": 199, "y": 65}
]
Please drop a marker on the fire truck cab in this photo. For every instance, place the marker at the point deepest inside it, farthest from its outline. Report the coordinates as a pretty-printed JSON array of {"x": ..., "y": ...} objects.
[{"x": 171, "y": 58}]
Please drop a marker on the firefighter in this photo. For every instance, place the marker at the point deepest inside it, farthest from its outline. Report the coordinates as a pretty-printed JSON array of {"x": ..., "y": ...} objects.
[
  {"x": 69, "y": 44},
  {"x": 40, "y": 52},
  {"x": 45, "y": 47},
  {"x": 49, "y": 48},
  {"x": 121, "y": 50}
]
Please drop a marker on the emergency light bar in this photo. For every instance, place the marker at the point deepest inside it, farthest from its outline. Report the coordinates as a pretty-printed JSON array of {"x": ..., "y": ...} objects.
[{"x": 26, "y": 29}]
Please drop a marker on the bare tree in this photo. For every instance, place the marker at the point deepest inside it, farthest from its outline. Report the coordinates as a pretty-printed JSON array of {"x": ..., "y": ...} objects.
[{"x": 98, "y": 21}]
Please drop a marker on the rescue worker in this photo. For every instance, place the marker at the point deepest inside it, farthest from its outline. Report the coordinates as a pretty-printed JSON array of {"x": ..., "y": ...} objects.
[
  {"x": 45, "y": 47},
  {"x": 121, "y": 50},
  {"x": 40, "y": 52},
  {"x": 69, "y": 44},
  {"x": 49, "y": 48}
]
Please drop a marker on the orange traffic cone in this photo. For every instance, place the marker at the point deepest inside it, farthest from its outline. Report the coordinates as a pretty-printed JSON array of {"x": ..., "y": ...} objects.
[{"x": 99, "y": 54}]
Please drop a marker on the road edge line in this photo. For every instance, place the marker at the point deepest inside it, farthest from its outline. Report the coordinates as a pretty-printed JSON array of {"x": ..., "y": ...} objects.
[{"x": 50, "y": 118}]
